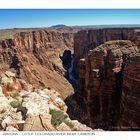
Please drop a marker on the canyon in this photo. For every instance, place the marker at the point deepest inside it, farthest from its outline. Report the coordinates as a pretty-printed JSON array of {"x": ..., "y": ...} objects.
[
  {"x": 93, "y": 72},
  {"x": 35, "y": 57},
  {"x": 106, "y": 62}
]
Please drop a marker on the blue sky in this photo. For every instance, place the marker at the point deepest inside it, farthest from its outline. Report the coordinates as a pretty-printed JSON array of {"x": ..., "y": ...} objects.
[{"x": 44, "y": 18}]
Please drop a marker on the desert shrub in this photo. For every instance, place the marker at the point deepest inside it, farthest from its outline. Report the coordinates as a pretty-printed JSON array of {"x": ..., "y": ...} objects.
[
  {"x": 15, "y": 104},
  {"x": 57, "y": 117}
]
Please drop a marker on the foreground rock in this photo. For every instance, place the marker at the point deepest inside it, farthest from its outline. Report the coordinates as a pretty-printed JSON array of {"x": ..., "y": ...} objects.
[{"x": 31, "y": 109}]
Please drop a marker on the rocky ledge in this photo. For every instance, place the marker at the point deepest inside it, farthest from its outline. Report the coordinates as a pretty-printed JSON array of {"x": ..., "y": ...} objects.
[{"x": 23, "y": 107}]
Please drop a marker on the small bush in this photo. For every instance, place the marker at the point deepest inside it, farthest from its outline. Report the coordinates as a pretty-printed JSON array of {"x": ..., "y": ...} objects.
[
  {"x": 15, "y": 104},
  {"x": 57, "y": 117}
]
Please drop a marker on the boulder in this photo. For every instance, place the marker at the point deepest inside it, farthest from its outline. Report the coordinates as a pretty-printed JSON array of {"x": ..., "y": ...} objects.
[
  {"x": 11, "y": 128},
  {"x": 4, "y": 105},
  {"x": 12, "y": 119},
  {"x": 10, "y": 84},
  {"x": 63, "y": 127},
  {"x": 38, "y": 123},
  {"x": 35, "y": 104},
  {"x": 10, "y": 74}
]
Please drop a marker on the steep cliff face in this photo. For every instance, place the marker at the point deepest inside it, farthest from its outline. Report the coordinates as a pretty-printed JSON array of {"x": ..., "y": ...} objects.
[
  {"x": 130, "y": 99},
  {"x": 6, "y": 51},
  {"x": 88, "y": 39},
  {"x": 108, "y": 87},
  {"x": 46, "y": 46},
  {"x": 35, "y": 56}
]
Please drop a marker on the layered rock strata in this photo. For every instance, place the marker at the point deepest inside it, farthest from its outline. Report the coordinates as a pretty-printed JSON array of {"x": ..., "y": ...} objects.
[
  {"x": 86, "y": 40},
  {"x": 101, "y": 78},
  {"x": 130, "y": 99},
  {"x": 35, "y": 56}
]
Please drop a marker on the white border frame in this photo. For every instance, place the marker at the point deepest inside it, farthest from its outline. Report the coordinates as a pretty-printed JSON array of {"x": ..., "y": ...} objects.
[{"x": 74, "y": 4}]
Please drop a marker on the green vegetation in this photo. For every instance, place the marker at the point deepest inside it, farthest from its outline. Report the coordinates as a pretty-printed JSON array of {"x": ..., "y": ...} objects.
[
  {"x": 59, "y": 117},
  {"x": 15, "y": 104}
]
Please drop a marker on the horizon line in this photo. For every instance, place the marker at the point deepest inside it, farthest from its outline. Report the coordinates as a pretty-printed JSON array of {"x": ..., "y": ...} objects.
[{"x": 71, "y": 26}]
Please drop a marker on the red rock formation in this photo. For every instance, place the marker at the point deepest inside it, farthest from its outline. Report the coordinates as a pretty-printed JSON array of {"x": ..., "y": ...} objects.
[
  {"x": 7, "y": 51},
  {"x": 130, "y": 99},
  {"x": 100, "y": 82},
  {"x": 86, "y": 40},
  {"x": 36, "y": 58}
]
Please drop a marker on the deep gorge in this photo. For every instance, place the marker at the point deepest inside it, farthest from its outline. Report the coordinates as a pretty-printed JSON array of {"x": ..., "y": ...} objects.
[
  {"x": 100, "y": 61},
  {"x": 95, "y": 71}
]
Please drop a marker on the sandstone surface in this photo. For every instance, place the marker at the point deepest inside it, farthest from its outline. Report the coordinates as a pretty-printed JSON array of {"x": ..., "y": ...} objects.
[{"x": 33, "y": 110}]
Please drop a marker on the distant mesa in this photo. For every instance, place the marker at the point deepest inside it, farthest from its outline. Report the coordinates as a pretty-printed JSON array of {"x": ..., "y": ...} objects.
[{"x": 60, "y": 26}]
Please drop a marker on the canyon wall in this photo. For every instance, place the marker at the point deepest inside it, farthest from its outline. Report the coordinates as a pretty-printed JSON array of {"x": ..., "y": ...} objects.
[
  {"x": 101, "y": 80},
  {"x": 35, "y": 56},
  {"x": 86, "y": 40},
  {"x": 108, "y": 81},
  {"x": 130, "y": 99}
]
